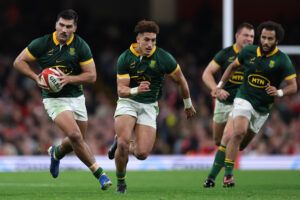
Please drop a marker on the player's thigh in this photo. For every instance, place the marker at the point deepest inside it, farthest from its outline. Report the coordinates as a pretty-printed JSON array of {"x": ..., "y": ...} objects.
[
  {"x": 125, "y": 118},
  {"x": 83, "y": 127},
  {"x": 66, "y": 122},
  {"x": 144, "y": 138},
  {"x": 220, "y": 118},
  {"x": 124, "y": 125},
  {"x": 242, "y": 114}
]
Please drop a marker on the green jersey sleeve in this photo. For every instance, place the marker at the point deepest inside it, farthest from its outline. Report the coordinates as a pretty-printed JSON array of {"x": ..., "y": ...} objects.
[
  {"x": 36, "y": 47},
  {"x": 122, "y": 65},
  {"x": 168, "y": 62},
  {"x": 220, "y": 58},
  {"x": 85, "y": 52},
  {"x": 288, "y": 68}
]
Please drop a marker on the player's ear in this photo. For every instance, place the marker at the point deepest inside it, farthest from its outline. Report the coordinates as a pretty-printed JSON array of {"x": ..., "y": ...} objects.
[{"x": 75, "y": 28}]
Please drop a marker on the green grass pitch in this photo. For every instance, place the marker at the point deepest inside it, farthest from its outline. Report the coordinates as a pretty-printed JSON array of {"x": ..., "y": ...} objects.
[{"x": 144, "y": 185}]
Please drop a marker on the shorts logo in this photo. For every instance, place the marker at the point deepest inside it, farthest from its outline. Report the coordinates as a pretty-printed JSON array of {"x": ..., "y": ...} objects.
[
  {"x": 258, "y": 81},
  {"x": 237, "y": 78}
]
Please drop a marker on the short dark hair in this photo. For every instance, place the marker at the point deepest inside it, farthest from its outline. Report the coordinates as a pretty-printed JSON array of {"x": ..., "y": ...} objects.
[
  {"x": 68, "y": 14},
  {"x": 146, "y": 26},
  {"x": 272, "y": 26},
  {"x": 245, "y": 25}
]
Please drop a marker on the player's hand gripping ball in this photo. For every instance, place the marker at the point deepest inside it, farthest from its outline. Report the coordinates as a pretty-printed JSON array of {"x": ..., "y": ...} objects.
[{"x": 51, "y": 78}]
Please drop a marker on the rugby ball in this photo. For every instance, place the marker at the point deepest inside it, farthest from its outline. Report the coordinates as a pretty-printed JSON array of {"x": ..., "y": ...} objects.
[{"x": 51, "y": 78}]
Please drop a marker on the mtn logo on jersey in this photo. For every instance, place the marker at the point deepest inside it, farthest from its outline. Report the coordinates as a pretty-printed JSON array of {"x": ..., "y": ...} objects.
[
  {"x": 258, "y": 81},
  {"x": 237, "y": 78}
]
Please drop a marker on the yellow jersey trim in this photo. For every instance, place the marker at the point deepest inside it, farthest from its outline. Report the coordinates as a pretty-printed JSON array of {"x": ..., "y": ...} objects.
[
  {"x": 229, "y": 161},
  {"x": 237, "y": 61},
  {"x": 175, "y": 70},
  {"x": 216, "y": 63},
  {"x": 221, "y": 148},
  {"x": 86, "y": 62},
  {"x": 123, "y": 76},
  {"x": 30, "y": 54},
  {"x": 235, "y": 49},
  {"x": 290, "y": 77},
  {"x": 134, "y": 45},
  {"x": 56, "y": 42},
  {"x": 258, "y": 52}
]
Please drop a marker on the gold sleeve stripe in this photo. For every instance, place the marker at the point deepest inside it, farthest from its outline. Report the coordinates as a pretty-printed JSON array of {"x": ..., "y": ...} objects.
[
  {"x": 123, "y": 76},
  {"x": 222, "y": 148},
  {"x": 30, "y": 54},
  {"x": 86, "y": 62},
  {"x": 216, "y": 63},
  {"x": 290, "y": 77},
  {"x": 175, "y": 70},
  {"x": 229, "y": 161}
]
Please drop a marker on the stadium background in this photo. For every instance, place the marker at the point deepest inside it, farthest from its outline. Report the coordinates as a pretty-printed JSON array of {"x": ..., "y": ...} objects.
[{"x": 190, "y": 29}]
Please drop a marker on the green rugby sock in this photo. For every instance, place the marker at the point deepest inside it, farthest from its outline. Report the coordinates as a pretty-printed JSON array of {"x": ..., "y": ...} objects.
[
  {"x": 98, "y": 173},
  {"x": 121, "y": 177},
  {"x": 218, "y": 162},
  {"x": 229, "y": 166},
  {"x": 58, "y": 154}
]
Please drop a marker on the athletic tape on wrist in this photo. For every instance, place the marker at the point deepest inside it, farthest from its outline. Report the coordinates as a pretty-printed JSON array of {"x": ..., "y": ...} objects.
[
  {"x": 220, "y": 84},
  {"x": 134, "y": 91},
  {"x": 280, "y": 93},
  {"x": 187, "y": 103}
]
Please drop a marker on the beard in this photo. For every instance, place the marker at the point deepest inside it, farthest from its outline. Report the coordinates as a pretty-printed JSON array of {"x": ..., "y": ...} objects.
[{"x": 267, "y": 49}]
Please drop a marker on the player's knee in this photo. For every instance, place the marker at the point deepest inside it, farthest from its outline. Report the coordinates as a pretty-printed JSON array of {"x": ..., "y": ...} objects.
[
  {"x": 123, "y": 146},
  {"x": 75, "y": 136},
  {"x": 141, "y": 155},
  {"x": 239, "y": 135}
]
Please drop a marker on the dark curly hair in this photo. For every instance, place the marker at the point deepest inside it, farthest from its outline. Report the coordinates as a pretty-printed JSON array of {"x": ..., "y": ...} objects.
[
  {"x": 146, "y": 26},
  {"x": 272, "y": 26}
]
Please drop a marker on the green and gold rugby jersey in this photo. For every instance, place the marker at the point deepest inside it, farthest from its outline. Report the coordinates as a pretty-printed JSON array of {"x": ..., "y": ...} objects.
[
  {"x": 48, "y": 52},
  {"x": 150, "y": 68},
  {"x": 223, "y": 58},
  {"x": 261, "y": 71}
]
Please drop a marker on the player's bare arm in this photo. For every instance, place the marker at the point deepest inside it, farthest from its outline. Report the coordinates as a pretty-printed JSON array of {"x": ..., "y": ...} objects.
[
  {"x": 208, "y": 76},
  {"x": 88, "y": 75},
  {"x": 220, "y": 93},
  {"x": 22, "y": 64},
  {"x": 289, "y": 88},
  {"x": 179, "y": 78},
  {"x": 125, "y": 91}
]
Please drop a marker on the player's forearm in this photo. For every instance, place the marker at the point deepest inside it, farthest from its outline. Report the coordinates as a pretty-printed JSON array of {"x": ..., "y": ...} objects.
[
  {"x": 24, "y": 68},
  {"x": 184, "y": 88},
  {"x": 85, "y": 77},
  {"x": 209, "y": 80},
  {"x": 124, "y": 91},
  {"x": 290, "y": 89},
  {"x": 226, "y": 75}
]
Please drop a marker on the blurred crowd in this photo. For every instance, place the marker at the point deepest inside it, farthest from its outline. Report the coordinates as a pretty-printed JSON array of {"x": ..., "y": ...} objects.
[{"x": 25, "y": 128}]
